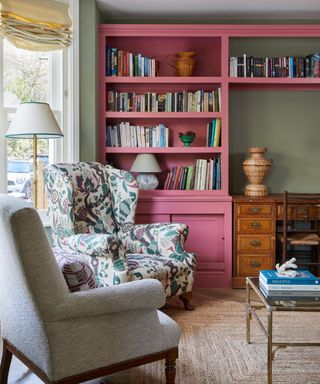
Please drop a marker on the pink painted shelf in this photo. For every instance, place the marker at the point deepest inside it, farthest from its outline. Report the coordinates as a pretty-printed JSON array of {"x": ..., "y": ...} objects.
[
  {"x": 162, "y": 115},
  {"x": 163, "y": 80},
  {"x": 179, "y": 193},
  {"x": 182, "y": 150},
  {"x": 273, "y": 80},
  {"x": 207, "y": 213}
]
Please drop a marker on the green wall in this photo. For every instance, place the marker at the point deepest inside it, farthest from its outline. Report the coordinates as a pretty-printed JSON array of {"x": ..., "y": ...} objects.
[
  {"x": 89, "y": 19},
  {"x": 287, "y": 122}
]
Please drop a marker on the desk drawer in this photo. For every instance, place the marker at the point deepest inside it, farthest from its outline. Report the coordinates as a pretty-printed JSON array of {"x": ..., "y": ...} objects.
[
  {"x": 251, "y": 226},
  {"x": 255, "y": 244},
  {"x": 255, "y": 210},
  {"x": 251, "y": 265},
  {"x": 301, "y": 213}
]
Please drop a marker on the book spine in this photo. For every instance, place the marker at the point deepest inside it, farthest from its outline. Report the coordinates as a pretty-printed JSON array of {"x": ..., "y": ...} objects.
[
  {"x": 289, "y": 287},
  {"x": 108, "y": 60},
  {"x": 298, "y": 281},
  {"x": 174, "y": 170},
  {"x": 114, "y": 62}
]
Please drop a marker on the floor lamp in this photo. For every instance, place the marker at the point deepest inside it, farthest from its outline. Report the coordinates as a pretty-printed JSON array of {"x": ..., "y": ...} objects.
[{"x": 34, "y": 121}]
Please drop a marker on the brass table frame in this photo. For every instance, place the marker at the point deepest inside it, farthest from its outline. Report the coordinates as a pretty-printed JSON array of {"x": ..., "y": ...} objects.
[{"x": 272, "y": 346}]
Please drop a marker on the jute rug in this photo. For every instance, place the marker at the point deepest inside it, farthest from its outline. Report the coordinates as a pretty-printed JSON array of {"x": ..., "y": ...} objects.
[{"x": 213, "y": 348}]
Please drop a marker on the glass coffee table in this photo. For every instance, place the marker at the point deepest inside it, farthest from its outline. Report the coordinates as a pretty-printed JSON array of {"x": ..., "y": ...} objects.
[{"x": 300, "y": 304}]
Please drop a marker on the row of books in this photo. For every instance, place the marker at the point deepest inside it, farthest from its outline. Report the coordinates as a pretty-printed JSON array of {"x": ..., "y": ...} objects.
[
  {"x": 291, "y": 67},
  {"x": 214, "y": 133},
  {"x": 123, "y": 63},
  {"x": 272, "y": 283},
  {"x": 203, "y": 175},
  {"x": 196, "y": 101},
  {"x": 126, "y": 135}
]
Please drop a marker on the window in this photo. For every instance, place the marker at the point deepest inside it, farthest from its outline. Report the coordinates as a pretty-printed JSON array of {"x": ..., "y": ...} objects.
[
  {"x": 47, "y": 77},
  {"x": 29, "y": 76}
]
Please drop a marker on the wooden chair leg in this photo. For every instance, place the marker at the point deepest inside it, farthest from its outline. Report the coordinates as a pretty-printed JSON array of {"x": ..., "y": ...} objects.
[
  {"x": 186, "y": 299},
  {"x": 171, "y": 367},
  {"x": 5, "y": 364}
]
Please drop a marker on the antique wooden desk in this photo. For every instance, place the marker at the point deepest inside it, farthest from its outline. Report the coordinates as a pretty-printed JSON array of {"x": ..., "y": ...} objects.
[{"x": 254, "y": 235}]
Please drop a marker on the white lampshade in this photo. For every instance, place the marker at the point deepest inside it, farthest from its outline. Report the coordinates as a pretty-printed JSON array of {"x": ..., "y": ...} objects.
[
  {"x": 145, "y": 162},
  {"x": 34, "y": 119}
]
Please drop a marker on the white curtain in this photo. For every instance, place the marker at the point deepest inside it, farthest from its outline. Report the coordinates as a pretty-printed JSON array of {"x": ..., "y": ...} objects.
[{"x": 37, "y": 25}]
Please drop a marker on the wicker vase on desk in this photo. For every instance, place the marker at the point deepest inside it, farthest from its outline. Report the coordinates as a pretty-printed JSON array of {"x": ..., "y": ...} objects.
[{"x": 256, "y": 168}]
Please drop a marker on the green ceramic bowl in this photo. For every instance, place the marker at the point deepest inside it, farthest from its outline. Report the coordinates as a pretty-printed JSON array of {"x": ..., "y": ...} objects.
[{"x": 187, "y": 140}]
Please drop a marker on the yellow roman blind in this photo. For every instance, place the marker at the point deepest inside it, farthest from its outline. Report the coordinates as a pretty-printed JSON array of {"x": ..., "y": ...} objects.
[{"x": 37, "y": 25}]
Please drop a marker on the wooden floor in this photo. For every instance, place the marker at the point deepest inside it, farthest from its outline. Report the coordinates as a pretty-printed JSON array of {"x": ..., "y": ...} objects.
[{"x": 19, "y": 374}]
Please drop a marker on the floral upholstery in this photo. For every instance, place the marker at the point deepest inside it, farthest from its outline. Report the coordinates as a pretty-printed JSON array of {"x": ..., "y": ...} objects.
[
  {"x": 92, "y": 211},
  {"x": 76, "y": 271},
  {"x": 81, "y": 217}
]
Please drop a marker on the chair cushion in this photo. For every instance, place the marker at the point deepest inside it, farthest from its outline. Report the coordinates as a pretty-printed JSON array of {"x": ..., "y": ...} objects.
[
  {"x": 301, "y": 238},
  {"x": 76, "y": 271},
  {"x": 154, "y": 267},
  {"x": 304, "y": 239}
]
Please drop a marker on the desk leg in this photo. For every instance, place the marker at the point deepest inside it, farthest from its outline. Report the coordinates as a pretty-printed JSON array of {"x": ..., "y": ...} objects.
[
  {"x": 248, "y": 312},
  {"x": 269, "y": 346}
]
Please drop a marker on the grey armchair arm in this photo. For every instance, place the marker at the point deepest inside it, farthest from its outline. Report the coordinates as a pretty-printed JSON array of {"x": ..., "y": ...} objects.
[{"x": 131, "y": 296}]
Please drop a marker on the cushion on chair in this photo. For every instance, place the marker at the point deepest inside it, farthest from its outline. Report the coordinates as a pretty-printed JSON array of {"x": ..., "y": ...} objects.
[
  {"x": 301, "y": 238},
  {"x": 154, "y": 267},
  {"x": 76, "y": 271}
]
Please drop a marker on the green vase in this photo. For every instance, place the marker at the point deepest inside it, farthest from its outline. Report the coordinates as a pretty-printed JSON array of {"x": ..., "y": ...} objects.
[{"x": 187, "y": 140}]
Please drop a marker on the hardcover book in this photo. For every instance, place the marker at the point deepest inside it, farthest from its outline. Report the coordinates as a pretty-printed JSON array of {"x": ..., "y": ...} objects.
[
  {"x": 288, "y": 287},
  {"x": 292, "y": 295},
  {"x": 303, "y": 277}
]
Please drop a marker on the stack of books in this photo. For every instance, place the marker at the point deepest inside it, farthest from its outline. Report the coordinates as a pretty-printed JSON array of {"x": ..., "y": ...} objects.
[
  {"x": 291, "y": 67},
  {"x": 204, "y": 175},
  {"x": 127, "y": 135},
  {"x": 273, "y": 284}
]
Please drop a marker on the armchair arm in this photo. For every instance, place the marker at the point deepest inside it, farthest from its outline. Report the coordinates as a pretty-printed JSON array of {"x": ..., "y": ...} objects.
[
  {"x": 165, "y": 239},
  {"x": 105, "y": 254},
  {"x": 141, "y": 294},
  {"x": 94, "y": 244}
]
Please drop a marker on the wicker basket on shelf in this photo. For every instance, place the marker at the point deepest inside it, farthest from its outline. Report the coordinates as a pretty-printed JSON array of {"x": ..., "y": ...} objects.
[
  {"x": 256, "y": 168},
  {"x": 184, "y": 63}
]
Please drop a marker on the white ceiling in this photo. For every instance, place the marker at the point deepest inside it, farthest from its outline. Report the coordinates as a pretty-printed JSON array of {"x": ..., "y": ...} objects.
[{"x": 201, "y": 10}]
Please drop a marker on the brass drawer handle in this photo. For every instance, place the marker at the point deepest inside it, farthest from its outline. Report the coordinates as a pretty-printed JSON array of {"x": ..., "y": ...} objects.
[
  {"x": 255, "y": 210},
  {"x": 255, "y": 243},
  {"x": 255, "y": 264},
  {"x": 255, "y": 225}
]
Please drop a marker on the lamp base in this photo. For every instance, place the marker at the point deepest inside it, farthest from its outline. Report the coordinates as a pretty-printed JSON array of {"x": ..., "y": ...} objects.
[{"x": 147, "y": 181}]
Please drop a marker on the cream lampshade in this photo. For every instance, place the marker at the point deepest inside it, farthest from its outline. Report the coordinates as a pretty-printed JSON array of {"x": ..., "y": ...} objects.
[
  {"x": 146, "y": 164},
  {"x": 34, "y": 121}
]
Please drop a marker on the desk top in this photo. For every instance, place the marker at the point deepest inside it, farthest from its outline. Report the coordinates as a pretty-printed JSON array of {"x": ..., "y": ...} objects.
[{"x": 272, "y": 198}]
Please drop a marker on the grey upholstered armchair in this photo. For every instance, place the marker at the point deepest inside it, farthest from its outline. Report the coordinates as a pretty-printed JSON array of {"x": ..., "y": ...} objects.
[{"x": 72, "y": 337}]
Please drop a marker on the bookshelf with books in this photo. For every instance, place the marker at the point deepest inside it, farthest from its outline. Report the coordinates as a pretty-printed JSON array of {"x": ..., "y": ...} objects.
[
  {"x": 143, "y": 110},
  {"x": 155, "y": 97}
]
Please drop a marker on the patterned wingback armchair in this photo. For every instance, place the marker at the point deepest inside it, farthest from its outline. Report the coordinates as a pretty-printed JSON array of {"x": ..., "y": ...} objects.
[{"x": 92, "y": 211}]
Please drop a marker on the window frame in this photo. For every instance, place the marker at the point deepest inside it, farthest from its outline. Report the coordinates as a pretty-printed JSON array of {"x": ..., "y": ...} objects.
[{"x": 63, "y": 99}]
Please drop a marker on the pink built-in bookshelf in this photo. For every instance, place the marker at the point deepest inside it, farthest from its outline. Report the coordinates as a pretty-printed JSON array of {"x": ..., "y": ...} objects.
[{"x": 208, "y": 213}]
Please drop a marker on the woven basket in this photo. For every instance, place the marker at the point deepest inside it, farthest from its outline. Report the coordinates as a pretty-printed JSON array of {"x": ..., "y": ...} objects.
[
  {"x": 185, "y": 67},
  {"x": 184, "y": 63}
]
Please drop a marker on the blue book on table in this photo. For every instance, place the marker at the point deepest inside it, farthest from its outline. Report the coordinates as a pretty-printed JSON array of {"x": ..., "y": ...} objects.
[{"x": 303, "y": 278}]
